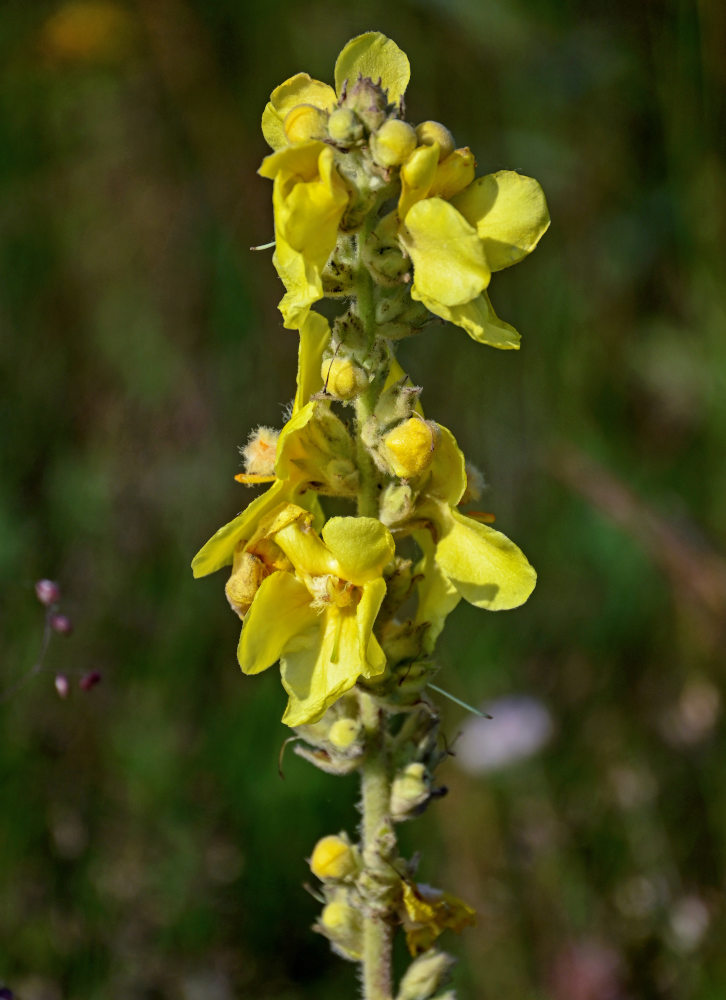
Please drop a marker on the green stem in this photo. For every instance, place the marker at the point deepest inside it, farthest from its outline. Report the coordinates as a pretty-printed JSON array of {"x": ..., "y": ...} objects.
[
  {"x": 375, "y": 799},
  {"x": 375, "y": 778}
]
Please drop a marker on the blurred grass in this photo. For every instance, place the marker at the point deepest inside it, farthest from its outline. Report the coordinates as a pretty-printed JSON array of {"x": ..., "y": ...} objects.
[{"x": 148, "y": 846}]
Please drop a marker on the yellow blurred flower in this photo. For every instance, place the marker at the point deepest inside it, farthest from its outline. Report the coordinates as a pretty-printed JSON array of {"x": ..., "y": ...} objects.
[
  {"x": 428, "y": 912},
  {"x": 318, "y": 619},
  {"x": 87, "y": 31}
]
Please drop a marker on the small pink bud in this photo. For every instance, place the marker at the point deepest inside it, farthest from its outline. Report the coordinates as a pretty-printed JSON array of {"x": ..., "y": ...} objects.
[
  {"x": 89, "y": 680},
  {"x": 47, "y": 592},
  {"x": 61, "y": 624},
  {"x": 61, "y": 685}
]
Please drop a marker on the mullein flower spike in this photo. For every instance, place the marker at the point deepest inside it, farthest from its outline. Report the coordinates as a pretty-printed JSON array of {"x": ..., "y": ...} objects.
[{"x": 389, "y": 220}]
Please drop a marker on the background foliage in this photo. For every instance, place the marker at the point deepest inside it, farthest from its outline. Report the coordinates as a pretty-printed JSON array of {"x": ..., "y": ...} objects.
[{"x": 148, "y": 847}]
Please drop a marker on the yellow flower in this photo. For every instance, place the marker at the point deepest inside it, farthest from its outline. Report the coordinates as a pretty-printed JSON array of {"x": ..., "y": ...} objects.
[
  {"x": 308, "y": 199},
  {"x": 309, "y": 196},
  {"x": 456, "y": 244},
  {"x": 314, "y": 451},
  {"x": 428, "y": 912},
  {"x": 318, "y": 620},
  {"x": 462, "y": 558},
  {"x": 369, "y": 55}
]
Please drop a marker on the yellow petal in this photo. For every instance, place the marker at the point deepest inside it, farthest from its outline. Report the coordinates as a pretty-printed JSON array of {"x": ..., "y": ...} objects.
[
  {"x": 449, "y": 266},
  {"x": 417, "y": 176},
  {"x": 447, "y": 480},
  {"x": 361, "y": 546},
  {"x": 437, "y": 596},
  {"x": 280, "y": 613},
  {"x": 317, "y": 672},
  {"x": 484, "y": 566},
  {"x": 314, "y": 336},
  {"x": 299, "y": 89},
  {"x": 429, "y": 912},
  {"x": 302, "y": 280},
  {"x": 477, "y": 318},
  {"x": 453, "y": 174},
  {"x": 305, "y": 550},
  {"x": 510, "y": 213},
  {"x": 219, "y": 550},
  {"x": 377, "y": 57}
]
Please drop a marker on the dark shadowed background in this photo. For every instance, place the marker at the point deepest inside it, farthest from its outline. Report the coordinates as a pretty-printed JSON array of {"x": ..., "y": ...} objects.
[{"x": 148, "y": 847}]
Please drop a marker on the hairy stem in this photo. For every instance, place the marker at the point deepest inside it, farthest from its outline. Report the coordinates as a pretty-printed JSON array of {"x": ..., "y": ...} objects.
[{"x": 376, "y": 825}]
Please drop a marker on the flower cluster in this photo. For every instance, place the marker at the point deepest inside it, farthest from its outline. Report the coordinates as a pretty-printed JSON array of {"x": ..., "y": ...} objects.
[{"x": 390, "y": 222}]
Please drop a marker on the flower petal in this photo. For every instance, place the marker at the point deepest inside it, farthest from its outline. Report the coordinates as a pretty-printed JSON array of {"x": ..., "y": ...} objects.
[
  {"x": 449, "y": 266},
  {"x": 437, "y": 596},
  {"x": 299, "y": 89},
  {"x": 477, "y": 318},
  {"x": 361, "y": 546},
  {"x": 453, "y": 174},
  {"x": 377, "y": 57},
  {"x": 447, "y": 480},
  {"x": 219, "y": 550},
  {"x": 510, "y": 213},
  {"x": 487, "y": 569},
  {"x": 314, "y": 336},
  {"x": 302, "y": 280},
  {"x": 417, "y": 176},
  {"x": 279, "y": 615}
]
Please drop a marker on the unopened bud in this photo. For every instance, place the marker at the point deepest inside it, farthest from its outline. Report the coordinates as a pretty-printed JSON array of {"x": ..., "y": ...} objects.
[
  {"x": 248, "y": 572},
  {"x": 333, "y": 857},
  {"x": 47, "y": 592},
  {"x": 344, "y": 126},
  {"x": 393, "y": 143},
  {"x": 341, "y": 923},
  {"x": 304, "y": 122},
  {"x": 410, "y": 791},
  {"x": 61, "y": 685},
  {"x": 344, "y": 733},
  {"x": 409, "y": 447},
  {"x": 343, "y": 378},
  {"x": 260, "y": 451},
  {"x": 89, "y": 680},
  {"x": 428, "y": 973},
  {"x": 61, "y": 624},
  {"x": 429, "y": 133}
]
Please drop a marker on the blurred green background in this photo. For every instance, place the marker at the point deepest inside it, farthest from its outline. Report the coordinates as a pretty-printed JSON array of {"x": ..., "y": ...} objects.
[{"x": 148, "y": 847}]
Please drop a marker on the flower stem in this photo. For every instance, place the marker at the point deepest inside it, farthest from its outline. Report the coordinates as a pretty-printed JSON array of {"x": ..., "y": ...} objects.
[{"x": 376, "y": 825}]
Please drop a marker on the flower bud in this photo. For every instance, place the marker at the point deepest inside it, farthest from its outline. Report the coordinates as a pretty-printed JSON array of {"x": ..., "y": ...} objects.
[
  {"x": 304, "y": 122},
  {"x": 248, "y": 572},
  {"x": 410, "y": 791},
  {"x": 90, "y": 680},
  {"x": 333, "y": 857},
  {"x": 62, "y": 686},
  {"x": 393, "y": 143},
  {"x": 341, "y": 924},
  {"x": 47, "y": 592},
  {"x": 453, "y": 174},
  {"x": 344, "y": 733},
  {"x": 429, "y": 133},
  {"x": 343, "y": 378},
  {"x": 61, "y": 624},
  {"x": 409, "y": 447},
  {"x": 396, "y": 503},
  {"x": 428, "y": 973},
  {"x": 368, "y": 99},
  {"x": 344, "y": 126}
]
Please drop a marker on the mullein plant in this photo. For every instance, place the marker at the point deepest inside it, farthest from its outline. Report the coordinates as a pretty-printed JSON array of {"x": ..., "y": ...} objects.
[{"x": 389, "y": 221}]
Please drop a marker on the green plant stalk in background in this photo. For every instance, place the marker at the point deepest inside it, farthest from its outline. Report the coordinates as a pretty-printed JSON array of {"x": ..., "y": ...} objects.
[{"x": 390, "y": 223}]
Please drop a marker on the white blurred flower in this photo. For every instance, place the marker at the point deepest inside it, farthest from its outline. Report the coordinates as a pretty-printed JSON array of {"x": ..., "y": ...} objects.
[{"x": 519, "y": 727}]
